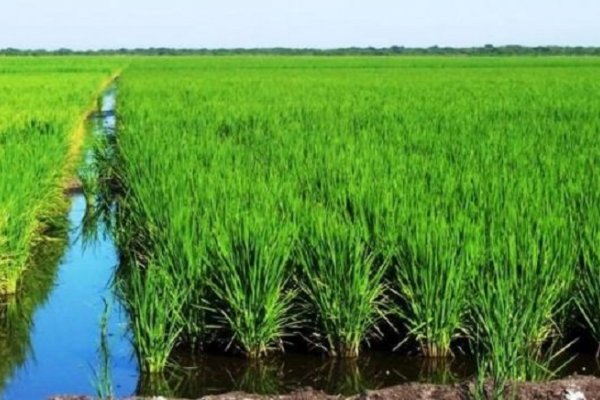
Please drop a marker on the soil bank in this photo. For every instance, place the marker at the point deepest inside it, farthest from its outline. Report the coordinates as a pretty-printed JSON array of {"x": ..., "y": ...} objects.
[{"x": 573, "y": 388}]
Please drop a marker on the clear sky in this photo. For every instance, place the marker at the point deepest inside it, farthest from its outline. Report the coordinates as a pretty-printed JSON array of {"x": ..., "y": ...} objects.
[{"x": 91, "y": 24}]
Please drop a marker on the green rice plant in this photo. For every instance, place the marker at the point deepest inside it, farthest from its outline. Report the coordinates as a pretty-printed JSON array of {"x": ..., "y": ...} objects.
[
  {"x": 588, "y": 273},
  {"x": 4, "y": 256},
  {"x": 191, "y": 268},
  {"x": 98, "y": 177},
  {"x": 478, "y": 202},
  {"x": 343, "y": 284},
  {"x": 102, "y": 377},
  {"x": 524, "y": 285},
  {"x": 154, "y": 300},
  {"x": 44, "y": 106},
  {"x": 250, "y": 272},
  {"x": 147, "y": 225},
  {"x": 434, "y": 272}
]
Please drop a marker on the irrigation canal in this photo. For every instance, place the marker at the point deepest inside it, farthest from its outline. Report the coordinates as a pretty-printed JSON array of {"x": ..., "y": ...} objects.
[{"x": 59, "y": 353}]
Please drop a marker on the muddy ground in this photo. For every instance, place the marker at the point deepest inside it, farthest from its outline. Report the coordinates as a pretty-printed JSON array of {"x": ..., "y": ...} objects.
[{"x": 574, "y": 388}]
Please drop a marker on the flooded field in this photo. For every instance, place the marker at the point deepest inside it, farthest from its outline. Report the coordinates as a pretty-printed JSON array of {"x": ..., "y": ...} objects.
[{"x": 328, "y": 252}]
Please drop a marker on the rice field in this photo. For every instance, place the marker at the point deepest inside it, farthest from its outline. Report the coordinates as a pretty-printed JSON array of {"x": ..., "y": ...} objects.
[
  {"x": 438, "y": 206},
  {"x": 42, "y": 125},
  {"x": 266, "y": 204}
]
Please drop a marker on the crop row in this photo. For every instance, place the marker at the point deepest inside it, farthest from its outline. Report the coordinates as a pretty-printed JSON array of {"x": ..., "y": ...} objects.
[{"x": 340, "y": 200}]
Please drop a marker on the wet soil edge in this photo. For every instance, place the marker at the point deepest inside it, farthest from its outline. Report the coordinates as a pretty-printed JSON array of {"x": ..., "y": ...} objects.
[{"x": 580, "y": 388}]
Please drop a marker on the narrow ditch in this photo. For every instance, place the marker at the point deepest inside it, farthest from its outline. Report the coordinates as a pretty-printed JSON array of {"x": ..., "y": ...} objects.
[{"x": 60, "y": 353}]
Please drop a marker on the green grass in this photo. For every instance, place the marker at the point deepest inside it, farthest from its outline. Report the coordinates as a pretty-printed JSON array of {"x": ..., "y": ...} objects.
[
  {"x": 434, "y": 269},
  {"x": 155, "y": 300},
  {"x": 317, "y": 196},
  {"x": 43, "y": 103},
  {"x": 344, "y": 285},
  {"x": 250, "y": 264},
  {"x": 588, "y": 273},
  {"x": 102, "y": 375}
]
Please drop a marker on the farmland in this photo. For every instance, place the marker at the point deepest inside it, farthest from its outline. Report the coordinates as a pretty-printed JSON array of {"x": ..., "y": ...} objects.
[
  {"x": 262, "y": 205},
  {"x": 41, "y": 136},
  {"x": 341, "y": 199}
]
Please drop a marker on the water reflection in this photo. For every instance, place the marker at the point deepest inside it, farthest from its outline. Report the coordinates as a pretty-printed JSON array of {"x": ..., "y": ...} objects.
[
  {"x": 213, "y": 374},
  {"x": 16, "y": 312},
  {"x": 63, "y": 332}
]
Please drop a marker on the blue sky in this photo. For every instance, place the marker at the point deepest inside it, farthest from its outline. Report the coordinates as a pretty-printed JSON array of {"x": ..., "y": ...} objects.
[{"x": 89, "y": 24}]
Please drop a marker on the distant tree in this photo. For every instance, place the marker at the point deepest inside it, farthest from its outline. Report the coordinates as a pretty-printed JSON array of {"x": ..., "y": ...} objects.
[{"x": 487, "y": 49}]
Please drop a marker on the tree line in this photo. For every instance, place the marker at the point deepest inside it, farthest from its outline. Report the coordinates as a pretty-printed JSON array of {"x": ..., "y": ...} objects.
[{"x": 510, "y": 50}]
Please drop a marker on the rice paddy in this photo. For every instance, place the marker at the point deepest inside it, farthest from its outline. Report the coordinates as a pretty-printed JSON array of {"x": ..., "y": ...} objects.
[
  {"x": 41, "y": 136},
  {"x": 330, "y": 205},
  {"x": 331, "y": 199}
]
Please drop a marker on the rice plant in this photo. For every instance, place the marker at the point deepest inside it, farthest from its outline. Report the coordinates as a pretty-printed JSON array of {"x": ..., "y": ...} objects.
[
  {"x": 251, "y": 270},
  {"x": 525, "y": 283},
  {"x": 408, "y": 188},
  {"x": 344, "y": 285},
  {"x": 434, "y": 272},
  {"x": 102, "y": 376},
  {"x": 154, "y": 300},
  {"x": 42, "y": 125},
  {"x": 588, "y": 273}
]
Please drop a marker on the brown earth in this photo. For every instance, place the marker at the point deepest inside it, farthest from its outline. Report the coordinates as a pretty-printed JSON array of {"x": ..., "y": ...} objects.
[
  {"x": 574, "y": 388},
  {"x": 73, "y": 186}
]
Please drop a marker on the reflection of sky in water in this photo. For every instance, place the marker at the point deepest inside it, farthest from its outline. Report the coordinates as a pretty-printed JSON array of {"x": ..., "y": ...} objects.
[
  {"x": 109, "y": 101},
  {"x": 66, "y": 331}
]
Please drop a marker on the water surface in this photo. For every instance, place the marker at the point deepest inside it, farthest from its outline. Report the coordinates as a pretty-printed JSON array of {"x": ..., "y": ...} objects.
[{"x": 65, "y": 333}]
